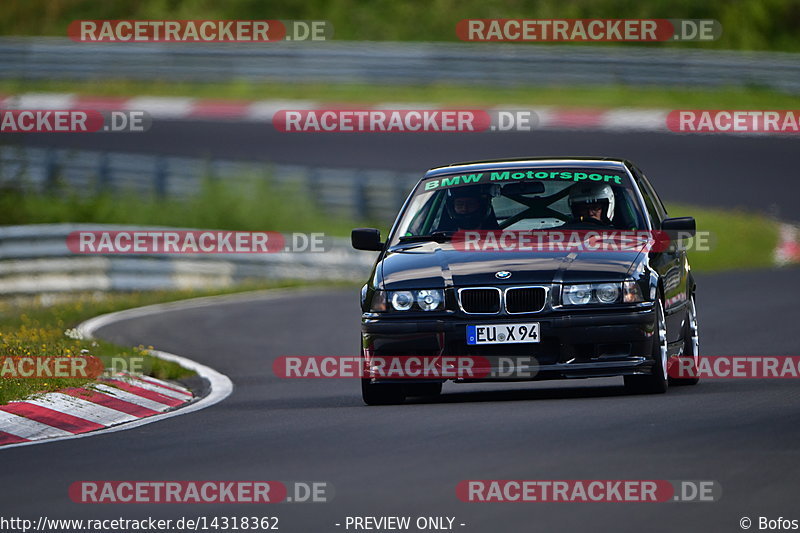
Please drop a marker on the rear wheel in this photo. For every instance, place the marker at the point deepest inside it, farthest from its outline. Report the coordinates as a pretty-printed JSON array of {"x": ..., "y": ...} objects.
[
  {"x": 656, "y": 382},
  {"x": 691, "y": 347}
]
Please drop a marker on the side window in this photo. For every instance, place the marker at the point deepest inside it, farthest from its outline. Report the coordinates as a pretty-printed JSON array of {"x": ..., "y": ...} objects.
[{"x": 653, "y": 204}]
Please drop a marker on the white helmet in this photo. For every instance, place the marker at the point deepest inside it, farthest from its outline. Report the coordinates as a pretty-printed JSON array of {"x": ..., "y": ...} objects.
[{"x": 593, "y": 193}]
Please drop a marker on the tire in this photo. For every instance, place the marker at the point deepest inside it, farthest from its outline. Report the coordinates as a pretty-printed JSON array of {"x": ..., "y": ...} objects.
[
  {"x": 657, "y": 382},
  {"x": 423, "y": 389},
  {"x": 381, "y": 393},
  {"x": 691, "y": 346}
]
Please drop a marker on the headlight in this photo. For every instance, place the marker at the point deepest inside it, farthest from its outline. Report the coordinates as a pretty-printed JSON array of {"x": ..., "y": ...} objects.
[
  {"x": 607, "y": 293},
  {"x": 402, "y": 300},
  {"x": 425, "y": 300},
  {"x": 601, "y": 293},
  {"x": 429, "y": 300},
  {"x": 577, "y": 294}
]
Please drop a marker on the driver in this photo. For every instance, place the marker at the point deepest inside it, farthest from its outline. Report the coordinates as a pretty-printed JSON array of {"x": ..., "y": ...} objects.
[
  {"x": 470, "y": 208},
  {"x": 592, "y": 203}
]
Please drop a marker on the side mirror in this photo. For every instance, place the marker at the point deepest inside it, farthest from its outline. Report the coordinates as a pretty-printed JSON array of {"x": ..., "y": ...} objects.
[
  {"x": 679, "y": 227},
  {"x": 366, "y": 239}
]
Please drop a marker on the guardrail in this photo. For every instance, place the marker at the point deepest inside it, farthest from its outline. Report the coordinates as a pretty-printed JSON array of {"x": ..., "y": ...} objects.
[
  {"x": 488, "y": 64},
  {"x": 358, "y": 193},
  {"x": 35, "y": 259}
]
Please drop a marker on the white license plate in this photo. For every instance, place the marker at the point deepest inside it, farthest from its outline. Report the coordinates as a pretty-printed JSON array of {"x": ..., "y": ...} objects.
[{"x": 503, "y": 333}]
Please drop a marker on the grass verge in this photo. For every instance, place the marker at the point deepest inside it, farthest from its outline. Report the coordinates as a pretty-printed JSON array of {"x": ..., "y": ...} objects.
[
  {"x": 736, "y": 239},
  {"x": 446, "y": 94},
  {"x": 34, "y": 330}
]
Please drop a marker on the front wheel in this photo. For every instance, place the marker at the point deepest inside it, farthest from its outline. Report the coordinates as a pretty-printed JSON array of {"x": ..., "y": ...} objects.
[
  {"x": 656, "y": 382},
  {"x": 423, "y": 389},
  {"x": 691, "y": 348},
  {"x": 381, "y": 393}
]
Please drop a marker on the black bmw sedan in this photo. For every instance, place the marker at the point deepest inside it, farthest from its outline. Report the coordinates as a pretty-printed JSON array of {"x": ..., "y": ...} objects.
[{"x": 528, "y": 269}]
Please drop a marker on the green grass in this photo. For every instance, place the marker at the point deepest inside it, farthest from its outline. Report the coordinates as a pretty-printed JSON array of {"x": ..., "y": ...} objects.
[
  {"x": 36, "y": 330},
  {"x": 251, "y": 205},
  {"x": 602, "y": 96},
  {"x": 737, "y": 239},
  {"x": 40, "y": 332}
]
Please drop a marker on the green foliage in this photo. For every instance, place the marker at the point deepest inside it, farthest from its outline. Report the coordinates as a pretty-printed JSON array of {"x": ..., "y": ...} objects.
[{"x": 747, "y": 24}]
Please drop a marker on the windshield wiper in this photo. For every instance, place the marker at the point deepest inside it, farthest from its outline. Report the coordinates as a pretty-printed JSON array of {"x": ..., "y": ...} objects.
[{"x": 436, "y": 236}]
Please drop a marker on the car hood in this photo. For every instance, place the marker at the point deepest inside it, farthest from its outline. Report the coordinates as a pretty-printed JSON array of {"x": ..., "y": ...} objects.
[{"x": 440, "y": 265}]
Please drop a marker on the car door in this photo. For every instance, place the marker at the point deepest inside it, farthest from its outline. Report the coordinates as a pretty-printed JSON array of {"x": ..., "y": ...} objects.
[{"x": 670, "y": 263}]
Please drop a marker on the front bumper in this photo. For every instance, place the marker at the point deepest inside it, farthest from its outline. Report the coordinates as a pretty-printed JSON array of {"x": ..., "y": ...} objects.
[{"x": 572, "y": 345}]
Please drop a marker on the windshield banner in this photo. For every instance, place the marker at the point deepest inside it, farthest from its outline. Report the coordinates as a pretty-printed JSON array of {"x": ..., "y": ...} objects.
[{"x": 516, "y": 175}]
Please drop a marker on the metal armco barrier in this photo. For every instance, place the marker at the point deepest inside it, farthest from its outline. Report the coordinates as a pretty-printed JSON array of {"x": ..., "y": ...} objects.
[
  {"x": 34, "y": 259},
  {"x": 487, "y": 64},
  {"x": 360, "y": 194}
]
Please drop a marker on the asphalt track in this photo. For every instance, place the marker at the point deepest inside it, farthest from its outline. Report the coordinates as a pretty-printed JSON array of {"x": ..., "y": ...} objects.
[
  {"x": 753, "y": 172},
  {"x": 407, "y": 460}
]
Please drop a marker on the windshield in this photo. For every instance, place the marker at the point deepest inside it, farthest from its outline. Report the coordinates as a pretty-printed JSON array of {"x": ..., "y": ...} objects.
[{"x": 535, "y": 199}]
